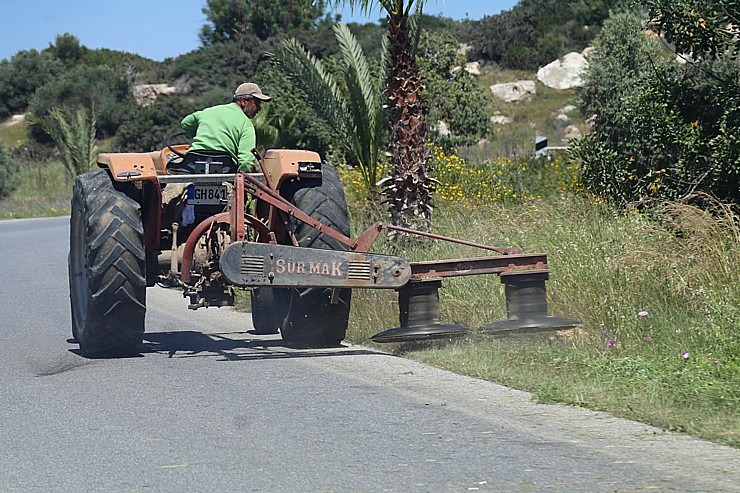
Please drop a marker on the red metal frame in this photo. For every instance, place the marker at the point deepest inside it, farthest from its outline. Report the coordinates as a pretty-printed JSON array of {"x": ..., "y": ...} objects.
[{"x": 510, "y": 261}]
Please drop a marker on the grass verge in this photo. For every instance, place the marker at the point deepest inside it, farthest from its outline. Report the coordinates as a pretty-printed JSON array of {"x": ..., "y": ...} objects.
[{"x": 658, "y": 296}]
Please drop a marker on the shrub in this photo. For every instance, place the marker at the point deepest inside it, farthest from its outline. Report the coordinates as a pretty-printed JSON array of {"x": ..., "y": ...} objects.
[
  {"x": 453, "y": 95},
  {"x": 9, "y": 174},
  {"x": 22, "y": 75},
  {"x": 83, "y": 86},
  {"x": 148, "y": 127},
  {"x": 660, "y": 130}
]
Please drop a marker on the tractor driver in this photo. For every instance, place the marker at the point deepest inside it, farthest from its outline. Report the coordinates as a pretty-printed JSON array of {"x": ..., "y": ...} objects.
[
  {"x": 228, "y": 127},
  {"x": 225, "y": 128}
]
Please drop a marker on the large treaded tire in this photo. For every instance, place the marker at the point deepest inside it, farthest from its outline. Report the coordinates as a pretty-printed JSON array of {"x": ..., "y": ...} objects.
[
  {"x": 107, "y": 267},
  {"x": 269, "y": 307},
  {"x": 312, "y": 320}
]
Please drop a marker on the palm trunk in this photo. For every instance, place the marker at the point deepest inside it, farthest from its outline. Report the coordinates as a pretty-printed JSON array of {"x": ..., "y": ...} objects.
[{"x": 409, "y": 188}]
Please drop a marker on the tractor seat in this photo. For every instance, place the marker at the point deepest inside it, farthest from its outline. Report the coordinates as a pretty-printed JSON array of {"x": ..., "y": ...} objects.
[{"x": 202, "y": 163}]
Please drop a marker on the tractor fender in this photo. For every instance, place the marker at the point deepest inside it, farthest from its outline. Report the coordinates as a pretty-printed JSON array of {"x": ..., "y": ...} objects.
[
  {"x": 140, "y": 168},
  {"x": 283, "y": 164},
  {"x": 131, "y": 166}
]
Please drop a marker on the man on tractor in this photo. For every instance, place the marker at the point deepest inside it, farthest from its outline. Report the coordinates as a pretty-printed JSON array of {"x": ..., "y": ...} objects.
[
  {"x": 221, "y": 135},
  {"x": 228, "y": 128}
]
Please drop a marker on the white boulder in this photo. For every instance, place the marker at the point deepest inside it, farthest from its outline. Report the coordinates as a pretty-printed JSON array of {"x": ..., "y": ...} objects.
[
  {"x": 564, "y": 73},
  {"x": 521, "y": 90},
  {"x": 146, "y": 94}
]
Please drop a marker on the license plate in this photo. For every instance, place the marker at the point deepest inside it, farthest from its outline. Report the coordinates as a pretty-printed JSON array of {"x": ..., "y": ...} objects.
[{"x": 207, "y": 194}]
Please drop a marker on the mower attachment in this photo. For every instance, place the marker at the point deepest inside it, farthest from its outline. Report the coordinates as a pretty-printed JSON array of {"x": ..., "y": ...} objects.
[{"x": 266, "y": 265}]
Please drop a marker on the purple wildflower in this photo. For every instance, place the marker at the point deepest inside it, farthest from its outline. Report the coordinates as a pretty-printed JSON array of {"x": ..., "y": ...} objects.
[
  {"x": 645, "y": 339},
  {"x": 612, "y": 343},
  {"x": 685, "y": 354}
]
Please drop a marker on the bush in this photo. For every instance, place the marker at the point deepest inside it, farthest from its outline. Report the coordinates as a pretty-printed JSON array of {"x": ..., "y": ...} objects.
[
  {"x": 660, "y": 130},
  {"x": 83, "y": 86},
  {"x": 9, "y": 174},
  {"x": 224, "y": 65},
  {"x": 22, "y": 75},
  {"x": 453, "y": 95},
  {"x": 535, "y": 32},
  {"x": 148, "y": 127}
]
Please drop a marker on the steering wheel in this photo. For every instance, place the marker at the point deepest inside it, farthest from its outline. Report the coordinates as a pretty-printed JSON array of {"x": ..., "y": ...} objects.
[{"x": 171, "y": 146}]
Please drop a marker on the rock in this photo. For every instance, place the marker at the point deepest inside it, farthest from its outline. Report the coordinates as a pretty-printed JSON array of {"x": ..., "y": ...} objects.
[
  {"x": 442, "y": 129},
  {"x": 567, "y": 109},
  {"x": 522, "y": 90},
  {"x": 565, "y": 73},
  {"x": 14, "y": 120},
  {"x": 562, "y": 120},
  {"x": 572, "y": 132},
  {"x": 146, "y": 94},
  {"x": 473, "y": 68},
  {"x": 499, "y": 119}
]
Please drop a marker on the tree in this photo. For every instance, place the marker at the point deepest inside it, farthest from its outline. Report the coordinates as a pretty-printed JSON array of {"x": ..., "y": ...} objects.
[
  {"x": 231, "y": 19},
  {"x": 22, "y": 75},
  {"x": 68, "y": 49},
  {"x": 535, "y": 32},
  {"x": 704, "y": 29},
  {"x": 454, "y": 96},
  {"x": 661, "y": 129},
  {"x": 9, "y": 173},
  {"x": 148, "y": 127},
  {"x": 224, "y": 65},
  {"x": 74, "y": 136},
  {"x": 409, "y": 188},
  {"x": 355, "y": 115},
  {"x": 101, "y": 87}
]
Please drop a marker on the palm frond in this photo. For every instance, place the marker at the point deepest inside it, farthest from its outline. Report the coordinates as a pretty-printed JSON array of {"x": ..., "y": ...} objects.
[
  {"x": 320, "y": 89},
  {"x": 363, "y": 99},
  {"x": 74, "y": 137}
]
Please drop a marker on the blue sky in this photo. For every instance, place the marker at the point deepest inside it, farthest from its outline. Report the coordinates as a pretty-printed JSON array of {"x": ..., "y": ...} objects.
[{"x": 156, "y": 29}]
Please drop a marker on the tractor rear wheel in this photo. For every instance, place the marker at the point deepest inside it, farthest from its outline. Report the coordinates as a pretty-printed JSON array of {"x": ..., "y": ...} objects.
[
  {"x": 107, "y": 266},
  {"x": 312, "y": 319}
]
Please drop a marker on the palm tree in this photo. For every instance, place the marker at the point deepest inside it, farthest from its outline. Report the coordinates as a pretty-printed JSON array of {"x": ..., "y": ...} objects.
[
  {"x": 74, "y": 137},
  {"x": 356, "y": 116},
  {"x": 410, "y": 186}
]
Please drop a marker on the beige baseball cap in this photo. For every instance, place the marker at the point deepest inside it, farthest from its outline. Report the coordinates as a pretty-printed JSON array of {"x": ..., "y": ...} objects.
[{"x": 251, "y": 89}]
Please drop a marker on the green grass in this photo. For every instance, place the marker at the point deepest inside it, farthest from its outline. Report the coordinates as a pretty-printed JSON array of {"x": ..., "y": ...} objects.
[
  {"x": 45, "y": 190},
  {"x": 676, "y": 367}
]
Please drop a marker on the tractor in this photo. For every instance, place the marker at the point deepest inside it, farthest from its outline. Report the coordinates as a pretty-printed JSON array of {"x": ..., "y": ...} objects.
[{"x": 191, "y": 221}]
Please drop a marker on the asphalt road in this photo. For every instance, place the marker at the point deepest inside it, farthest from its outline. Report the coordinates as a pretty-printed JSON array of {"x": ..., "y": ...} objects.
[{"x": 210, "y": 407}]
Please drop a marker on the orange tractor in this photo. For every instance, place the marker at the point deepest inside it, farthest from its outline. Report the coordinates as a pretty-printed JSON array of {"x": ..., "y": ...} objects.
[{"x": 283, "y": 233}]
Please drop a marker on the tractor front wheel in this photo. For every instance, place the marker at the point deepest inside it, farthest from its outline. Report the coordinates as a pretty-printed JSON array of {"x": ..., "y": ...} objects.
[{"x": 107, "y": 266}]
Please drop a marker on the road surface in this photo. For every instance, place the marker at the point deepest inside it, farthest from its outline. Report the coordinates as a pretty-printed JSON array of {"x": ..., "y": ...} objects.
[{"x": 210, "y": 407}]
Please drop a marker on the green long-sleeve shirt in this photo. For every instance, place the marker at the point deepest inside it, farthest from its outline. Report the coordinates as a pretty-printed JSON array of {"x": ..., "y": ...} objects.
[{"x": 223, "y": 128}]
